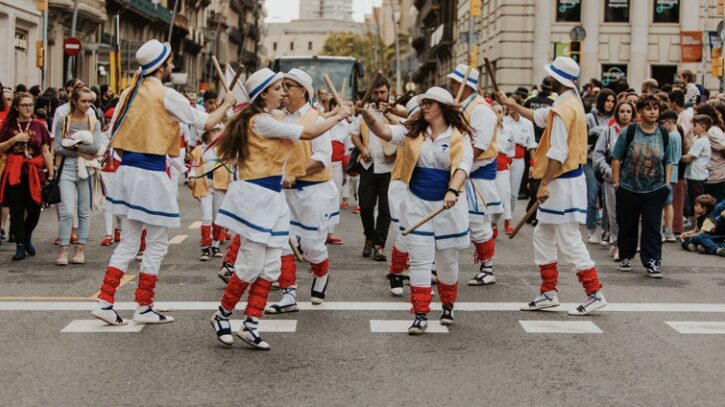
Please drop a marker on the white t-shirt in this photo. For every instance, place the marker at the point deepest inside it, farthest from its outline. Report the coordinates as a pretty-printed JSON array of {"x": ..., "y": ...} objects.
[
  {"x": 700, "y": 151},
  {"x": 380, "y": 165}
]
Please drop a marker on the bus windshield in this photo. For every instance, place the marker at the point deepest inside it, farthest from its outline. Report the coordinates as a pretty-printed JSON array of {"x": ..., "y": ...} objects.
[{"x": 337, "y": 70}]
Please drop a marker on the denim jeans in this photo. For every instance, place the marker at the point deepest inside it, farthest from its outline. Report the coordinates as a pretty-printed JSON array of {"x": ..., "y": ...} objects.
[
  {"x": 710, "y": 242},
  {"x": 592, "y": 196},
  {"x": 71, "y": 187}
]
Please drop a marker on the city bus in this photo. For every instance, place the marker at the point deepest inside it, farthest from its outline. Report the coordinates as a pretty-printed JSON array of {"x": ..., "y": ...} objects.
[{"x": 337, "y": 68}]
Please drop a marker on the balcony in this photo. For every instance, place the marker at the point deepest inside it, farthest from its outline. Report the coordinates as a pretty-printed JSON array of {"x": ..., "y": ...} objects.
[
  {"x": 236, "y": 36},
  {"x": 430, "y": 13},
  {"x": 150, "y": 10},
  {"x": 182, "y": 22},
  {"x": 241, "y": 6},
  {"x": 418, "y": 44},
  {"x": 216, "y": 19},
  {"x": 253, "y": 32}
]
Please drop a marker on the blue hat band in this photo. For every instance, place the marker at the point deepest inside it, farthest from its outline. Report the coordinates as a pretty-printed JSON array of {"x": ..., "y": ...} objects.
[
  {"x": 261, "y": 87},
  {"x": 413, "y": 110},
  {"x": 563, "y": 74},
  {"x": 463, "y": 75},
  {"x": 158, "y": 59}
]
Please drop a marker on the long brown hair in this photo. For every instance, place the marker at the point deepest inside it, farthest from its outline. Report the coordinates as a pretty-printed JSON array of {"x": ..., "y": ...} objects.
[
  {"x": 233, "y": 143},
  {"x": 12, "y": 117},
  {"x": 452, "y": 116}
]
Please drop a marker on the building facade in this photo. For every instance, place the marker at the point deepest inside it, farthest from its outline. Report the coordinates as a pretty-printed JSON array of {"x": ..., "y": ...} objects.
[
  {"x": 433, "y": 40},
  {"x": 326, "y": 9},
  {"x": 306, "y": 37},
  {"x": 20, "y": 24}
]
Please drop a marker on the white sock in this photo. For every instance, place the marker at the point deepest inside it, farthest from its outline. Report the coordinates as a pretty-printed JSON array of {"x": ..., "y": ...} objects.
[
  {"x": 215, "y": 244},
  {"x": 289, "y": 297},
  {"x": 320, "y": 283}
]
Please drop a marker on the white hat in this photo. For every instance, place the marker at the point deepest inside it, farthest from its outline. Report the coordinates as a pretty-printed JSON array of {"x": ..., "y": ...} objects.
[
  {"x": 79, "y": 137},
  {"x": 259, "y": 81},
  {"x": 152, "y": 55},
  {"x": 460, "y": 72},
  {"x": 438, "y": 94},
  {"x": 412, "y": 106},
  {"x": 303, "y": 79},
  {"x": 565, "y": 70}
]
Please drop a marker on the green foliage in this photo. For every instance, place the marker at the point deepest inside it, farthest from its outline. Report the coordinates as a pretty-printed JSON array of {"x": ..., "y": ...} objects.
[{"x": 367, "y": 48}]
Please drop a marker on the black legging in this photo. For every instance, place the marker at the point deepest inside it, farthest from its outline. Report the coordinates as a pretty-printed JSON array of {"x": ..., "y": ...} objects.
[{"x": 18, "y": 199}]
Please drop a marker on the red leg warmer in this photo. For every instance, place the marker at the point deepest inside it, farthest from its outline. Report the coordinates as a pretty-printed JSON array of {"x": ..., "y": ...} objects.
[
  {"x": 448, "y": 293},
  {"x": 233, "y": 292},
  {"x": 484, "y": 251},
  {"x": 145, "y": 289},
  {"x": 398, "y": 261},
  {"x": 258, "y": 298},
  {"x": 233, "y": 250},
  {"x": 589, "y": 280},
  {"x": 218, "y": 233},
  {"x": 110, "y": 283},
  {"x": 142, "y": 247},
  {"x": 420, "y": 297},
  {"x": 549, "y": 277},
  {"x": 206, "y": 235},
  {"x": 320, "y": 269},
  {"x": 288, "y": 276}
]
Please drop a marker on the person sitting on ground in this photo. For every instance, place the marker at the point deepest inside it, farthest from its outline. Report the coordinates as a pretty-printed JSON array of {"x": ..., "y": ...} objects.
[{"x": 696, "y": 238}]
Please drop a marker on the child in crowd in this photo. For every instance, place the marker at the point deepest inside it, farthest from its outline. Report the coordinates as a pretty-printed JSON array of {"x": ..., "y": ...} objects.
[
  {"x": 697, "y": 158},
  {"x": 703, "y": 205},
  {"x": 707, "y": 239},
  {"x": 668, "y": 120}
]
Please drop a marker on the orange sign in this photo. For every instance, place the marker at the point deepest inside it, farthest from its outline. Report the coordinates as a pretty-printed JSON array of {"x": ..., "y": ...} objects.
[{"x": 690, "y": 46}]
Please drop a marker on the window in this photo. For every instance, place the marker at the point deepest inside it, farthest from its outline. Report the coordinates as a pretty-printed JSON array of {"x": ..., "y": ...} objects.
[
  {"x": 274, "y": 46},
  {"x": 666, "y": 11},
  {"x": 613, "y": 73},
  {"x": 616, "y": 11},
  {"x": 292, "y": 46},
  {"x": 309, "y": 45},
  {"x": 568, "y": 10},
  {"x": 664, "y": 74}
]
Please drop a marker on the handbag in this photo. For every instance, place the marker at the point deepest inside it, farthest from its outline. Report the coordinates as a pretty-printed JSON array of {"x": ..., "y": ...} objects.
[
  {"x": 354, "y": 166},
  {"x": 50, "y": 192}
]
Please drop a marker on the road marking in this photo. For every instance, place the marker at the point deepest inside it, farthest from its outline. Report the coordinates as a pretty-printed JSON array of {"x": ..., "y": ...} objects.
[
  {"x": 21, "y": 305},
  {"x": 381, "y": 326},
  {"x": 178, "y": 239},
  {"x": 269, "y": 325},
  {"x": 126, "y": 278},
  {"x": 560, "y": 327},
  {"x": 697, "y": 327},
  {"x": 94, "y": 325},
  {"x": 195, "y": 225}
]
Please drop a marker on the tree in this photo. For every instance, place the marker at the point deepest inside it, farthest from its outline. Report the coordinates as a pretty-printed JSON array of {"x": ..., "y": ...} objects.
[{"x": 368, "y": 49}]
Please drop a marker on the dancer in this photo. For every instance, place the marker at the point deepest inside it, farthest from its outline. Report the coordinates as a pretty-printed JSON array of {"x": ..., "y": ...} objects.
[
  {"x": 562, "y": 193},
  {"x": 482, "y": 184},
  {"x": 146, "y": 129},
  {"x": 311, "y": 196},
  {"x": 254, "y": 207},
  {"x": 505, "y": 144},
  {"x": 524, "y": 138},
  {"x": 435, "y": 158}
]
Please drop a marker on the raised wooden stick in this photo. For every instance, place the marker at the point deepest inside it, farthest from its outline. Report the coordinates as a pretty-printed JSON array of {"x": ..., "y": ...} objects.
[
  {"x": 236, "y": 77},
  {"x": 295, "y": 250},
  {"x": 489, "y": 70},
  {"x": 463, "y": 85},
  {"x": 220, "y": 73},
  {"x": 424, "y": 220},
  {"x": 523, "y": 220},
  {"x": 335, "y": 95},
  {"x": 369, "y": 90},
  {"x": 342, "y": 89}
]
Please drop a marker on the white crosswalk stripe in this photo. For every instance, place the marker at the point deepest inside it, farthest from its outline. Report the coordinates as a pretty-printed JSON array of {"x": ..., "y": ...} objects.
[
  {"x": 269, "y": 325},
  {"x": 381, "y": 326},
  {"x": 195, "y": 225},
  {"x": 560, "y": 327},
  {"x": 94, "y": 325},
  {"x": 178, "y": 239},
  {"x": 698, "y": 327}
]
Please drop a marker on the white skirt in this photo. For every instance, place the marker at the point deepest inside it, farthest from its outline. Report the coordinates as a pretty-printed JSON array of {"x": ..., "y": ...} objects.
[
  {"x": 256, "y": 213},
  {"x": 396, "y": 195},
  {"x": 567, "y": 202},
  {"x": 143, "y": 195},
  {"x": 487, "y": 188},
  {"x": 107, "y": 179},
  {"x": 314, "y": 208},
  {"x": 448, "y": 230}
]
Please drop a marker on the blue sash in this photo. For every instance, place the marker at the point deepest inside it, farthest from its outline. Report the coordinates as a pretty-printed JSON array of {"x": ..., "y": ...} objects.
[
  {"x": 300, "y": 185},
  {"x": 430, "y": 184},
  {"x": 573, "y": 173},
  {"x": 274, "y": 183},
  {"x": 487, "y": 172},
  {"x": 150, "y": 162}
]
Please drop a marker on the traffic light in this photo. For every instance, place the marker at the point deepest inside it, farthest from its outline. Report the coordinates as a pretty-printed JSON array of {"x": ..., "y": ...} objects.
[
  {"x": 575, "y": 51},
  {"x": 39, "y": 55}
]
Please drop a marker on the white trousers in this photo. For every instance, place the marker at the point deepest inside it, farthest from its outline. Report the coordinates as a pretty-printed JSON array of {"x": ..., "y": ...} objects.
[
  {"x": 481, "y": 230},
  {"x": 315, "y": 250},
  {"x": 503, "y": 186},
  {"x": 338, "y": 176},
  {"x": 257, "y": 260},
  {"x": 108, "y": 219},
  {"x": 516, "y": 171},
  {"x": 421, "y": 264},
  {"x": 210, "y": 205},
  {"x": 157, "y": 244},
  {"x": 550, "y": 239}
]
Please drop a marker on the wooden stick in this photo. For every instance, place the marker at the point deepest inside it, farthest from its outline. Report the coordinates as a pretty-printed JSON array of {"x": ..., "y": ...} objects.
[
  {"x": 523, "y": 220},
  {"x": 489, "y": 70},
  {"x": 335, "y": 95},
  {"x": 342, "y": 89},
  {"x": 295, "y": 250},
  {"x": 220, "y": 73},
  {"x": 463, "y": 85},
  {"x": 369, "y": 90},
  {"x": 424, "y": 220},
  {"x": 480, "y": 196},
  {"x": 236, "y": 77}
]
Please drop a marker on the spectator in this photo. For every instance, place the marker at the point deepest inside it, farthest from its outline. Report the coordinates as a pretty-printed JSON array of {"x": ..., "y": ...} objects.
[
  {"x": 715, "y": 184},
  {"x": 602, "y": 160},
  {"x": 34, "y": 90},
  {"x": 650, "y": 86},
  {"x": 668, "y": 120},
  {"x": 711, "y": 240},
  {"x": 697, "y": 157},
  {"x": 5, "y": 102},
  {"x": 597, "y": 121},
  {"x": 27, "y": 144},
  {"x": 641, "y": 170},
  {"x": 20, "y": 88},
  {"x": 692, "y": 93},
  {"x": 73, "y": 185}
]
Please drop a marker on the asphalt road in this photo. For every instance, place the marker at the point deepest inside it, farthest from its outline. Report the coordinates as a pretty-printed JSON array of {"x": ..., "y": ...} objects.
[{"x": 630, "y": 355}]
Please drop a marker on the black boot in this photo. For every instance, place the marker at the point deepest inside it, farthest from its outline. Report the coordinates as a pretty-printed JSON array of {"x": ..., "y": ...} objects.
[
  {"x": 29, "y": 248},
  {"x": 19, "y": 252}
]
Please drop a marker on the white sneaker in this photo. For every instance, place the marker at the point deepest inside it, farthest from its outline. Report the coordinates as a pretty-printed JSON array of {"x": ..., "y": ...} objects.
[
  {"x": 108, "y": 315},
  {"x": 288, "y": 303},
  {"x": 250, "y": 334},
  {"x": 615, "y": 253},
  {"x": 546, "y": 299},
  {"x": 223, "y": 328},
  {"x": 483, "y": 278},
  {"x": 594, "y": 238},
  {"x": 591, "y": 303},
  {"x": 148, "y": 315}
]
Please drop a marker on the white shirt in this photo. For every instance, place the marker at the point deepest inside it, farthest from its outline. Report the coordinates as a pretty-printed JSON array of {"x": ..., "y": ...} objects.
[
  {"x": 483, "y": 121},
  {"x": 380, "y": 166},
  {"x": 559, "y": 135},
  {"x": 522, "y": 131},
  {"x": 436, "y": 153},
  {"x": 700, "y": 151},
  {"x": 322, "y": 145},
  {"x": 265, "y": 125},
  {"x": 341, "y": 132},
  {"x": 505, "y": 141}
]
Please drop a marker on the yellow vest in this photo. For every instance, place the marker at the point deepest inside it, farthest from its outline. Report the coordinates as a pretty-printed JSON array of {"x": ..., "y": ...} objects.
[
  {"x": 296, "y": 166},
  {"x": 492, "y": 150},
  {"x": 265, "y": 156},
  {"x": 220, "y": 175},
  {"x": 571, "y": 112},
  {"x": 409, "y": 153},
  {"x": 148, "y": 128}
]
